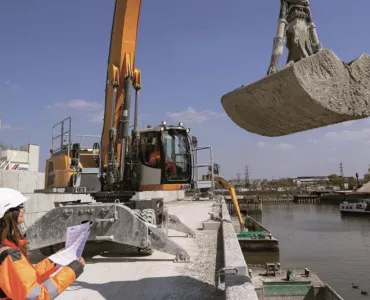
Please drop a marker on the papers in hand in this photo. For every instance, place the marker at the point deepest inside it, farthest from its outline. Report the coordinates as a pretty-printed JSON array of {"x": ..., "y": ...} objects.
[{"x": 76, "y": 238}]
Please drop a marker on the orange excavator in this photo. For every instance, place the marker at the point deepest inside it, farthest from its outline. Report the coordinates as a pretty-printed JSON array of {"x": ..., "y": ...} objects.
[{"x": 119, "y": 171}]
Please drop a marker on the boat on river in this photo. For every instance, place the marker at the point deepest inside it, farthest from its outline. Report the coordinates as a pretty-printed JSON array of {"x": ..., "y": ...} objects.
[{"x": 359, "y": 207}]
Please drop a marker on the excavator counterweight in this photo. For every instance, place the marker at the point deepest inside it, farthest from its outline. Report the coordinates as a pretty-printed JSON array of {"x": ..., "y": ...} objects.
[{"x": 317, "y": 91}]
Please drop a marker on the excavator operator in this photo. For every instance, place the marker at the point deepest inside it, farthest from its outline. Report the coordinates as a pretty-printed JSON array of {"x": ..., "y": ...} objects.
[
  {"x": 155, "y": 158},
  {"x": 19, "y": 279}
]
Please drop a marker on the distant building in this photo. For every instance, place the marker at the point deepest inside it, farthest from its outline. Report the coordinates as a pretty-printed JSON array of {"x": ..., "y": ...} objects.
[
  {"x": 26, "y": 158},
  {"x": 310, "y": 179}
]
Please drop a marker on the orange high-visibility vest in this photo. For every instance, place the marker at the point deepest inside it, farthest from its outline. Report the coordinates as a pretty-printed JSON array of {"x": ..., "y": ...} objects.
[
  {"x": 20, "y": 280},
  {"x": 155, "y": 157}
]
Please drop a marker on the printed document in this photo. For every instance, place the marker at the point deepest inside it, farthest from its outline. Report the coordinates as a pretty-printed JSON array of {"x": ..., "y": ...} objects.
[{"x": 76, "y": 238}]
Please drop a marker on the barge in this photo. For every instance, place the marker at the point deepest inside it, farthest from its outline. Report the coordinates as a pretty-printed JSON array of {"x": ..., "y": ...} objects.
[
  {"x": 273, "y": 282},
  {"x": 257, "y": 238}
]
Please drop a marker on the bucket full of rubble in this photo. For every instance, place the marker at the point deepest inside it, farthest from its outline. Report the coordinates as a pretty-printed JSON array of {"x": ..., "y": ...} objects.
[{"x": 314, "y": 92}]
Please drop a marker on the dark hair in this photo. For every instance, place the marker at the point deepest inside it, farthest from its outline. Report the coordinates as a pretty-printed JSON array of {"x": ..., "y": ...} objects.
[{"x": 9, "y": 229}]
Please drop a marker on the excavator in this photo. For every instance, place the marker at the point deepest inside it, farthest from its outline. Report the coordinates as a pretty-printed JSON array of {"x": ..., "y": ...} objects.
[
  {"x": 130, "y": 174},
  {"x": 314, "y": 89}
]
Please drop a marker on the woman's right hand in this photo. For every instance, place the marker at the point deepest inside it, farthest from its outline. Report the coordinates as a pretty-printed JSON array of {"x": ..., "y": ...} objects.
[{"x": 82, "y": 261}]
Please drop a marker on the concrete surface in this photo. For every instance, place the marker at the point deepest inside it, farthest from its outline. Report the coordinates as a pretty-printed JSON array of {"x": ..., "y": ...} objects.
[
  {"x": 156, "y": 277},
  {"x": 317, "y": 91}
]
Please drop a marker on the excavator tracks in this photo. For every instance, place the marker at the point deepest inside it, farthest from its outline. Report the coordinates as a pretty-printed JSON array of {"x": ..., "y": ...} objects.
[{"x": 317, "y": 91}]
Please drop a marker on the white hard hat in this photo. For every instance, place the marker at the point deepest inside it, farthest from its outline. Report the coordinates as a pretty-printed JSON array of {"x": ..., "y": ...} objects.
[{"x": 10, "y": 198}]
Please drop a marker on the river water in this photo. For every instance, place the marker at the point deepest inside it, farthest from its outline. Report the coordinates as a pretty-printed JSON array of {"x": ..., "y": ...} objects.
[{"x": 317, "y": 237}]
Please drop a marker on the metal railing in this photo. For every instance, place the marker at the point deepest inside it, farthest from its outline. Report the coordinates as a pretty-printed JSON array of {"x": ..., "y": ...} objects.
[
  {"x": 207, "y": 165},
  {"x": 63, "y": 140}
]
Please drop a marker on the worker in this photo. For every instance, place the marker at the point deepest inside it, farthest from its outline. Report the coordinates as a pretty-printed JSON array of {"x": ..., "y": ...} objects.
[
  {"x": 154, "y": 158},
  {"x": 19, "y": 279}
]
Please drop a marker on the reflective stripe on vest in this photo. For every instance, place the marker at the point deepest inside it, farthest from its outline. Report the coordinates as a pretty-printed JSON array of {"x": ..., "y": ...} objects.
[
  {"x": 52, "y": 289},
  {"x": 34, "y": 293},
  {"x": 3, "y": 296},
  {"x": 49, "y": 285}
]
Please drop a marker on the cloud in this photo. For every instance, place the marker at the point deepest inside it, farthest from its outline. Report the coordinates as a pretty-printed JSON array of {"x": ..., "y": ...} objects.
[
  {"x": 314, "y": 141},
  {"x": 331, "y": 160},
  {"x": 190, "y": 115},
  {"x": 277, "y": 146},
  {"x": 349, "y": 135},
  {"x": 80, "y": 104},
  {"x": 97, "y": 117},
  {"x": 11, "y": 85},
  {"x": 94, "y": 110},
  {"x": 7, "y": 126}
]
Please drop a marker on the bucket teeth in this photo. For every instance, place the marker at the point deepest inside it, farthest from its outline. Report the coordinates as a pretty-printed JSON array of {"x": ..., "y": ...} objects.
[{"x": 317, "y": 91}]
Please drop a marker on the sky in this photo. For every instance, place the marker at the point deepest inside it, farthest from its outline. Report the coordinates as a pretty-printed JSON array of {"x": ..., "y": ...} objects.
[{"x": 53, "y": 62}]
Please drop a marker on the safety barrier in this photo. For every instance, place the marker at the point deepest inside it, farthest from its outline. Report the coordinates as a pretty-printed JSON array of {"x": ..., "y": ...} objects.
[{"x": 237, "y": 282}]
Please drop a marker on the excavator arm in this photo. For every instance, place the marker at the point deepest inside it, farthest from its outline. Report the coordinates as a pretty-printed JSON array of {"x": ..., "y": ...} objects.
[
  {"x": 231, "y": 189},
  {"x": 121, "y": 77},
  {"x": 302, "y": 39}
]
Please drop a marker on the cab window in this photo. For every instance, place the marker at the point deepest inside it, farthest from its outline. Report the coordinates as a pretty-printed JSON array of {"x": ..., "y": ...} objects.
[{"x": 150, "y": 151}]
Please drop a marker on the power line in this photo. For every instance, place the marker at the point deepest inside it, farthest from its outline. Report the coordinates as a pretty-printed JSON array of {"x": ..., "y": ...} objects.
[
  {"x": 246, "y": 175},
  {"x": 341, "y": 171}
]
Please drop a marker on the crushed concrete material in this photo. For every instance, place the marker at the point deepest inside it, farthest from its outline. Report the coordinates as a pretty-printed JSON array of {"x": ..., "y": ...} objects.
[
  {"x": 156, "y": 276},
  {"x": 317, "y": 91}
]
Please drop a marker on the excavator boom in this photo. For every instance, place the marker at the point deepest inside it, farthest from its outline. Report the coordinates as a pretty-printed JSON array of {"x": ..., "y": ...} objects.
[
  {"x": 221, "y": 181},
  {"x": 120, "y": 75}
]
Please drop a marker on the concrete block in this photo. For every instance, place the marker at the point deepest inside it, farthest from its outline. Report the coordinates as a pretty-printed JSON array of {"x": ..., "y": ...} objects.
[
  {"x": 234, "y": 257},
  {"x": 27, "y": 182},
  {"x": 39, "y": 203},
  {"x": 9, "y": 179},
  {"x": 23, "y": 181},
  {"x": 237, "y": 286},
  {"x": 167, "y": 195},
  {"x": 211, "y": 225}
]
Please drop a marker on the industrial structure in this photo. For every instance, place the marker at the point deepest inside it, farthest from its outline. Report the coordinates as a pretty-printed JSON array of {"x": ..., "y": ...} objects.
[{"x": 25, "y": 158}]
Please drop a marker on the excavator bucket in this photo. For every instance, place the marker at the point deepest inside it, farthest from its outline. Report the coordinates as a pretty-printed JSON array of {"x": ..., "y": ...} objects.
[{"x": 314, "y": 92}]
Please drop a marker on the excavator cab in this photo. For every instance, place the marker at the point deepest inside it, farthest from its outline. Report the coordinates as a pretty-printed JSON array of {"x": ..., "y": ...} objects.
[{"x": 164, "y": 160}]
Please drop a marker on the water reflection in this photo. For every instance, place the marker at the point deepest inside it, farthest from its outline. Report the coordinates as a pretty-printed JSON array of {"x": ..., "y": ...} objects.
[{"x": 317, "y": 237}]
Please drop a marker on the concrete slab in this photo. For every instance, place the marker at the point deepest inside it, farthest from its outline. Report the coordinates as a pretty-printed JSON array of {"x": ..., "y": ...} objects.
[
  {"x": 317, "y": 91},
  {"x": 156, "y": 276},
  {"x": 211, "y": 225}
]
